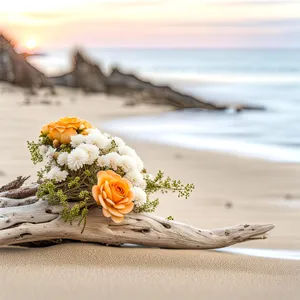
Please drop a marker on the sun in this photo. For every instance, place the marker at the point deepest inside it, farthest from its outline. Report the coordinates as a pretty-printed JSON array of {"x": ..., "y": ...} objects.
[{"x": 31, "y": 44}]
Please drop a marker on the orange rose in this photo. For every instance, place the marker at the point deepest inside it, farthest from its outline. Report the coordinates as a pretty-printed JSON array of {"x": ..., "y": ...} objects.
[
  {"x": 45, "y": 129},
  {"x": 62, "y": 130},
  {"x": 114, "y": 194},
  {"x": 86, "y": 125}
]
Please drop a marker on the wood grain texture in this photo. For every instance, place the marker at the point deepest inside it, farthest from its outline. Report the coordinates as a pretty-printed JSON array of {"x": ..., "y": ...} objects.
[{"x": 29, "y": 219}]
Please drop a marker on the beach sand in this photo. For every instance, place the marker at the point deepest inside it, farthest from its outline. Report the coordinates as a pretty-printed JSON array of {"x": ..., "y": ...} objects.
[{"x": 229, "y": 190}]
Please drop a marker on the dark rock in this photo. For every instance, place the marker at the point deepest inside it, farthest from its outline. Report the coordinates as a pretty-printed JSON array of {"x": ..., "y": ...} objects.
[
  {"x": 122, "y": 83},
  {"x": 85, "y": 75},
  {"x": 239, "y": 108},
  {"x": 88, "y": 76},
  {"x": 15, "y": 69}
]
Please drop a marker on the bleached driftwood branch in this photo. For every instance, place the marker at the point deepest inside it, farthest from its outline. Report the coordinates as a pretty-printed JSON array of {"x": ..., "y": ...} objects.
[{"x": 25, "y": 219}]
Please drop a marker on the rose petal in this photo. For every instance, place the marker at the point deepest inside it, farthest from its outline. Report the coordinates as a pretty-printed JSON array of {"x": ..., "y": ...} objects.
[
  {"x": 117, "y": 219},
  {"x": 130, "y": 195},
  {"x": 102, "y": 177},
  {"x": 119, "y": 206},
  {"x": 110, "y": 201},
  {"x": 114, "y": 212},
  {"x": 95, "y": 192},
  {"x": 128, "y": 209},
  {"x": 66, "y": 135},
  {"x": 103, "y": 204},
  {"x": 106, "y": 213},
  {"x": 104, "y": 195},
  {"x": 114, "y": 175},
  {"x": 125, "y": 201},
  {"x": 107, "y": 190},
  {"x": 55, "y": 134}
]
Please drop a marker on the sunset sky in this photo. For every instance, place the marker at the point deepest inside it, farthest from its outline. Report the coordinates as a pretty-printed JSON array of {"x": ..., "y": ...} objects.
[{"x": 153, "y": 23}]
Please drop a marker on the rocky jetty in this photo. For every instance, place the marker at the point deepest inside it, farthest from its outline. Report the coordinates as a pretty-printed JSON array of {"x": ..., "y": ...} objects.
[
  {"x": 145, "y": 91},
  {"x": 85, "y": 74},
  {"x": 88, "y": 76},
  {"x": 15, "y": 69}
]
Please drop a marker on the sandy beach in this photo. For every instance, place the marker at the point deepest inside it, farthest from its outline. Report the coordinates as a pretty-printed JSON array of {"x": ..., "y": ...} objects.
[{"x": 229, "y": 190}]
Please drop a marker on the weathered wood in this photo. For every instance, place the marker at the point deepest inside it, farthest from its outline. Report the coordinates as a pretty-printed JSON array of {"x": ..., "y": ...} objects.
[
  {"x": 36, "y": 220},
  {"x": 15, "y": 184},
  {"x": 22, "y": 192}
]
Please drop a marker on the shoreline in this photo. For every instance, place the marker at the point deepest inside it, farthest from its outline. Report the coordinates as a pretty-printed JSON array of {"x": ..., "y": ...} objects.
[
  {"x": 224, "y": 145},
  {"x": 229, "y": 190}
]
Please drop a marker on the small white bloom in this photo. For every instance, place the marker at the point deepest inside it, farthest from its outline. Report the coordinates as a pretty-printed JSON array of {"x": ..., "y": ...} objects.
[
  {"x": 62, "y": 158},
  {"x": 91, "y": 150},
  {"x": 98, "y": 139},
  {"x": 114, "y": 160},
  {"x": 43, "y": 149},
  {"x": 94, "y": 130},
  {"x": 49, "y": 154},
  {"x": 61, "y": 176},
  {"x": 125, "y": 150},
  {"x": 77, "y": 139},
  {"x": 136, "y": 178},
  {"x": 119, "y": 142},
  {"x": 107, "y": 135},
  {"x": 140, "y": 196},
  {"x": 127, "y": 163},
  {"x": 139, "y": 163},
  {"x": 103, "y": 162},
  {"x": 52, "y": 173},
  {"x": 77, "y": 158}
]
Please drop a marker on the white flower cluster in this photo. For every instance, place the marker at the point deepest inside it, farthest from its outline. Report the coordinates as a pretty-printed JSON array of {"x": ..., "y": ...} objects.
[{"x": 108, "y": 153}]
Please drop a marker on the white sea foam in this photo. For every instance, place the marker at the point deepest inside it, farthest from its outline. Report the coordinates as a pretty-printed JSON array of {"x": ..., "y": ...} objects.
[
  {"x": 237, "y": 135},
  {"x": 267, "y": 253}
]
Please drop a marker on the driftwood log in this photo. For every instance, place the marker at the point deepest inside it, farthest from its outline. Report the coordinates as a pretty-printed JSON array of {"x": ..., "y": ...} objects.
[{"x": 26, "y": 219}]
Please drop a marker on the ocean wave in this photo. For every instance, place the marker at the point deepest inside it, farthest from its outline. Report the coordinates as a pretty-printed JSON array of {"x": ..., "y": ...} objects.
[
  {"x": 223, "y": 78},
  {"x": 221, "y": 138}
]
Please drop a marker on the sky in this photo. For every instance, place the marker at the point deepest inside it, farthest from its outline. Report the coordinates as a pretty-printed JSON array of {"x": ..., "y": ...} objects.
[{"x": 153, "y": 23}]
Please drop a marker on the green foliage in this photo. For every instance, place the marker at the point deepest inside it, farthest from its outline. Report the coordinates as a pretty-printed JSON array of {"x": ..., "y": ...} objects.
[
  {"x": 147, "y": 207},
  {"x": 164, "y": 185},
  {"x": 34, "y": 150},
  {"x": 170, "y": 218},
  {"x": 74, "y": 194},
  {"x": 44, "y": 140},
  {"x": 65, "y": 148}
]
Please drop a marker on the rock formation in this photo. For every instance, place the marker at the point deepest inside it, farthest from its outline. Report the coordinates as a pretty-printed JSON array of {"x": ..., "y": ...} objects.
[
  {"x": 88, "y": 76},
  {"x": 85, "y": 75},
  {"x": 15, "y": 69},
  {"x": 145, "y": 91}
]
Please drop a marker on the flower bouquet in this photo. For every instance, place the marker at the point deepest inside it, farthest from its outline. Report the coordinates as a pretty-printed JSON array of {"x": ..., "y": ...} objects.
[
  {"x": 96, "y": 180},
  {"x": 91, "y": 168}
]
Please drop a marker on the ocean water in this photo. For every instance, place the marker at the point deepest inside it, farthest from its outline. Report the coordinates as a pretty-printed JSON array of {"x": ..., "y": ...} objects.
[{"x": 265, "y": 77}]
